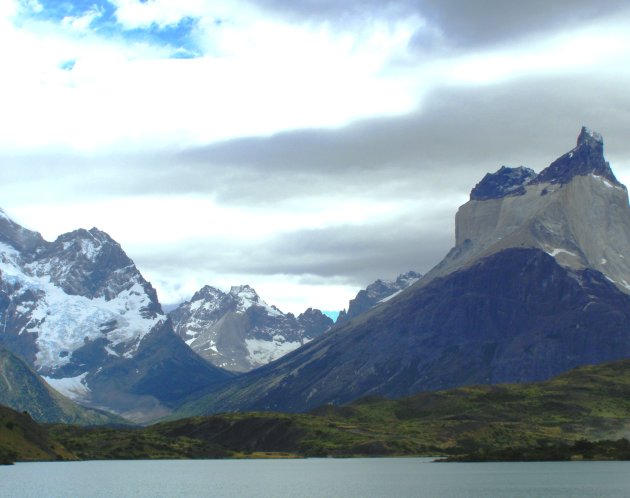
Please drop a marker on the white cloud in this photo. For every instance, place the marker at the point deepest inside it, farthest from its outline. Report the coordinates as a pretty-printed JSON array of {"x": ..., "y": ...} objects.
[
  {"x": 133, "y": 14},
  {"x": 82, "y": 23},
  {"x": 601, "y": 46},
  {"x": 260, "y": 76}
]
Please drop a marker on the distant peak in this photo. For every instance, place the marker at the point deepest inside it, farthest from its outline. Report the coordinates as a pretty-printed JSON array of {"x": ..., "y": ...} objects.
[
  {"x": 237, "y": 290},
  {"x": 207, "y": 292}
]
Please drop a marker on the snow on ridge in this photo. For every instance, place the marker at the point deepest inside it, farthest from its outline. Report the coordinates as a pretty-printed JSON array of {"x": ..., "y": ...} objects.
[
  {"x": 247, "y": 297},
  {"x": 71, "y": 387},
  {"x": 261, "y": 352},
  {"x": 555, "y": 252},
  {"x": 606, "y": 182},
  {"x": 64, "y": 322},
  {"x": 391, "y": 296}
]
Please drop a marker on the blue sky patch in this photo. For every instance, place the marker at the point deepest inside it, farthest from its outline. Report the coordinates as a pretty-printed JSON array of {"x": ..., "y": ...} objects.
[
  {"x": 67, "y": 65},
  {"x": 178, "y": 37}
]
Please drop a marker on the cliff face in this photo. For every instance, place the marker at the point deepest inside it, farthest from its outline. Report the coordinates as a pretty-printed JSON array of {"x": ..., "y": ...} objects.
[{"x": 575, "y": 210}]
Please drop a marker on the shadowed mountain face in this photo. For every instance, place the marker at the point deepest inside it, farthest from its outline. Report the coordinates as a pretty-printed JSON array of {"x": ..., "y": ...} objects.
[
  {"x": 79, "y": 312},
  {"x": 23, "y": 390},
  {"x": 536, "y": 284},
  {"x": 239, "y": 331}
]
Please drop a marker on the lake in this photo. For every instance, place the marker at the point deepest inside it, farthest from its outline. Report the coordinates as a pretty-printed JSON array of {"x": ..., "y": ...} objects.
[{"x": 360, "y": 477}]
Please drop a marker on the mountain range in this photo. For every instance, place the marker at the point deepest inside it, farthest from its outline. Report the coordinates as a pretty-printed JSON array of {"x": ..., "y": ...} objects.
[
  {"x": 535, "y": 285},
  {"x": 239, "y": 331}
]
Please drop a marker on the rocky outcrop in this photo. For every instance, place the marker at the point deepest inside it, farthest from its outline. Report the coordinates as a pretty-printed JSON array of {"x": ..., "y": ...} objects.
[{"x": 506, "y": 181}]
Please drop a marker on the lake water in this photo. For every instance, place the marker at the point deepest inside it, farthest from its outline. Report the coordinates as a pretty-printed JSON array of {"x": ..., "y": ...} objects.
[{"x": 360, "y": 477}]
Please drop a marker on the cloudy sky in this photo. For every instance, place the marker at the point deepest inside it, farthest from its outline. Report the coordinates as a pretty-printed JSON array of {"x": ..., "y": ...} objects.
[{"x": 305, "y": 147}]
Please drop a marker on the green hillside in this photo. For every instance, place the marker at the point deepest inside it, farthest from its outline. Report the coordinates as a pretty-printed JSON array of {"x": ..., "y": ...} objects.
[
  {"x": 482, "y": 422},
  {"x": 23, "y": 439}
]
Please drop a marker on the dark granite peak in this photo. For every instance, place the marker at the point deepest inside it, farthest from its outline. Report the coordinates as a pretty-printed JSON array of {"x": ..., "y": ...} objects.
[
  {"x": 587, "y": 158},
  {"x": 590, "y": 138},
  {"x": 506, "y": 181}
]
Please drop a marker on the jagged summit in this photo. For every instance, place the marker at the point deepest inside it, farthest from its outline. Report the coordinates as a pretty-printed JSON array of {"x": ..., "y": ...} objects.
[
  {"x": 506, "y": 181},
  {"x": 590, "y": 138},
  {"x": 587, "y": 158}
]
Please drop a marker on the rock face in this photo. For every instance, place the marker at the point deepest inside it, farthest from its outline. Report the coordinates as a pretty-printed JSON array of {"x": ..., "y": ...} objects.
[
  {"x": 536, "y": 284},
  {"x": 376, "y": 293},
  {"x": 75, "y": 307},
  {"x": 575, "y": 210},
  {"x": 506, "y": 181},
  {"x": 239, "y": 331}
]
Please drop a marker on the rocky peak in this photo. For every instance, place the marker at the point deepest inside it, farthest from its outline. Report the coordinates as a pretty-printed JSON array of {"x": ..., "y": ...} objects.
[
  {"x": 208, "y": 293},
  {"x": 590, "y": 138},
  {"x": 243, "y": 291},
  {"x": 377, "y": 292},
  {"x": 587, "y": 158},
  {"x": 17, "y": 236},
  {"x": 406, "y": 279},
  {"x": 239, "y": 330},
  {"x": 506, "y": 181},
  {"x": 314, "y": 322}
]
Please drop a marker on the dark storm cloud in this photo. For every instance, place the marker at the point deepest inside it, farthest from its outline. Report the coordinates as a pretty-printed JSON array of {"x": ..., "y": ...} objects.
[
  {"x": 478, "y": 22},
  {"x": 447, "y": 145},
  {"x": 462, "y": 24},
  {"x": 357, "y": 254},
  {"x": 444, "y": 148}
]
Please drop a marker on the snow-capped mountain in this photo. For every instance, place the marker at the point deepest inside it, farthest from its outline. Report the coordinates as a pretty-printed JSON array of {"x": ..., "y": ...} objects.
[
  {"x": 239, "y": 331},
  {"x": 74, "y": 307},
  {"x": 376, "y": 293},
  {"x": 536, "y": 284}
]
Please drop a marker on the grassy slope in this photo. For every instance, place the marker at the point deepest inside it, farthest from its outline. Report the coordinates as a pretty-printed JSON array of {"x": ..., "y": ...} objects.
[
  {"x": 588, "y": 403},
  {"x": 21, "y": 438}
]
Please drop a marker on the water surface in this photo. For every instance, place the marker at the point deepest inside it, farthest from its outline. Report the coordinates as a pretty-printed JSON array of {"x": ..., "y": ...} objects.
[{"x": 360, "y": 477}]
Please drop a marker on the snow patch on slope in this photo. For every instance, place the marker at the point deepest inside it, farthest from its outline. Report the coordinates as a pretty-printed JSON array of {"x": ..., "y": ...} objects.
[
  {"x": 261, "y": 352},
  {"x": 71, "y": 387},
  {"x": 555, "y": 252},
  {"x": 64, "y": 323}
]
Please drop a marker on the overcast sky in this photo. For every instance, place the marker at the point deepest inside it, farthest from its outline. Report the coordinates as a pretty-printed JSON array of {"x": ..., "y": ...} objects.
[{"x": 303, "y": 147}]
